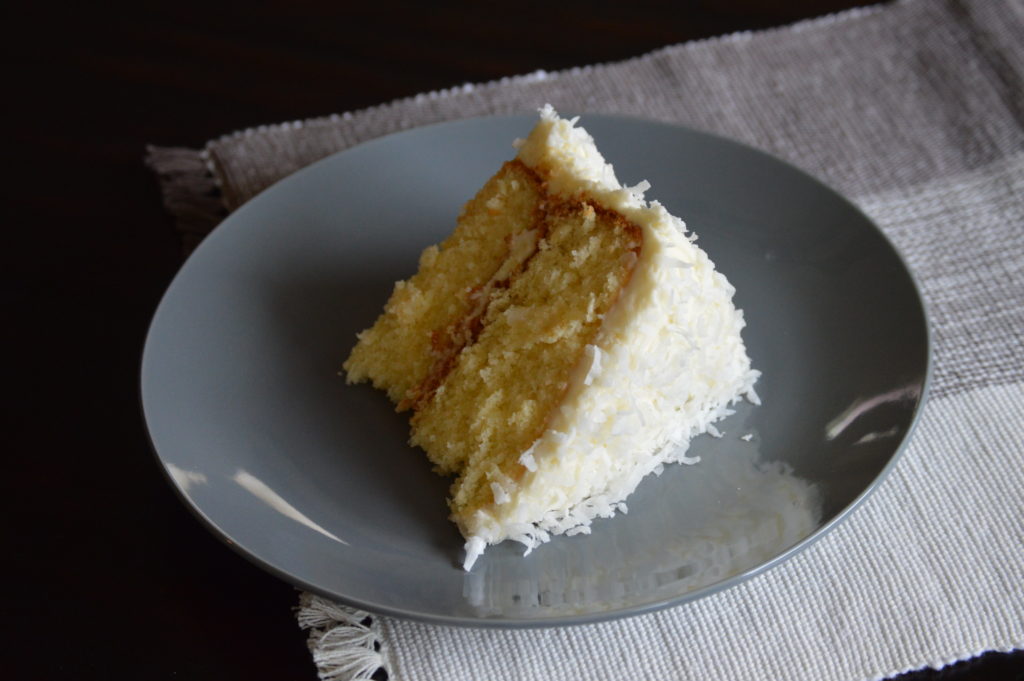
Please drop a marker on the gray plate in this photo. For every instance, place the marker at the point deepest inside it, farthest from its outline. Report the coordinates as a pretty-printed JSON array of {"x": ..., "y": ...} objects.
[{"x": 313, "y": 480}]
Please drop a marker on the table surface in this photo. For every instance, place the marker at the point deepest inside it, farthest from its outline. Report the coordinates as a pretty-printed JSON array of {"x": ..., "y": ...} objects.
[{"x": 113, "y": 577}]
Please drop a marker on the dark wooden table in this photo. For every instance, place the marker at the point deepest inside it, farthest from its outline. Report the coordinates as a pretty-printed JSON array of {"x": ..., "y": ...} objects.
[{"x": 113, "y": 578}]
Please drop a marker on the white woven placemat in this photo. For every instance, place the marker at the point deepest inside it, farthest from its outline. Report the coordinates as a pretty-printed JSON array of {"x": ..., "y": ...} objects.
[{"x": 916, "y": 111}]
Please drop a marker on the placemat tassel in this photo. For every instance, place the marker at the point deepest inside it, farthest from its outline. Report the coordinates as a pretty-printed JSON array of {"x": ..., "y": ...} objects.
[
  {"x": 344, "y": 642},
  {"x": 190, "y": 191}
]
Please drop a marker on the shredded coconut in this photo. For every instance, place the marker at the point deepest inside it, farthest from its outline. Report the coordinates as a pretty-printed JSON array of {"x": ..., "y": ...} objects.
[{"x": 595, "y": 364}]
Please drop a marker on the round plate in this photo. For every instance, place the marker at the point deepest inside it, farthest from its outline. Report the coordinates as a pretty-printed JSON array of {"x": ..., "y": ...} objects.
[{"x": 314, "y": 480}]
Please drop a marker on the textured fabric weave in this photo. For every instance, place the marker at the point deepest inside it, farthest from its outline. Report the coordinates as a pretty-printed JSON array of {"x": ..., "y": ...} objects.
[{"x": 914, "y": 110}]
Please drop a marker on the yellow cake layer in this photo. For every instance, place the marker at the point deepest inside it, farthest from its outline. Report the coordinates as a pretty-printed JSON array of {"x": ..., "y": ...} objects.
[
  {"x": 402, "y": 347},
  {"x": 499, "y": 396},
  {"x": 480, "y": 342}
]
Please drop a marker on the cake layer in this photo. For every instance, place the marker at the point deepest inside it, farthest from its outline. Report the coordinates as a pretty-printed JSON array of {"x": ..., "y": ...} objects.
[
  {"x": 504, "y": 386},
  {"x": 415, "y": 336}
]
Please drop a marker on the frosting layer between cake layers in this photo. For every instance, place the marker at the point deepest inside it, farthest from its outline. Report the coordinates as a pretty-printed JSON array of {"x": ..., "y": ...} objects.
[{"x": 667, "y": 362}]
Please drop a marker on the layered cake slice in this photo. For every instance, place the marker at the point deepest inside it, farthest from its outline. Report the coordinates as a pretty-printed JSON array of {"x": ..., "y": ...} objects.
[{"x": 566, "y": 340}]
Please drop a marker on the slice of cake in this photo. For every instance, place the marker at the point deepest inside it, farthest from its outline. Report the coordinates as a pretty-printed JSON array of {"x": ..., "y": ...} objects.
[{"x": 566, "y": 340}]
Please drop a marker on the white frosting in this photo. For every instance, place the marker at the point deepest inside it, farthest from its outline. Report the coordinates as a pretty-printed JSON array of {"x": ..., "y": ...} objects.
[{"x": 667, "y": 362}]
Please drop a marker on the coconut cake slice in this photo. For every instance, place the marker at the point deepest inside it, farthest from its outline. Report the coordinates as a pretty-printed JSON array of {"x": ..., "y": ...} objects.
[{"x": 566, "y": 340}]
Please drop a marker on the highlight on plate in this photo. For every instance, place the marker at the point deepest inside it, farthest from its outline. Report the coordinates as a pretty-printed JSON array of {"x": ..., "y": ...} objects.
[{"x": 566, "y": 340}]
